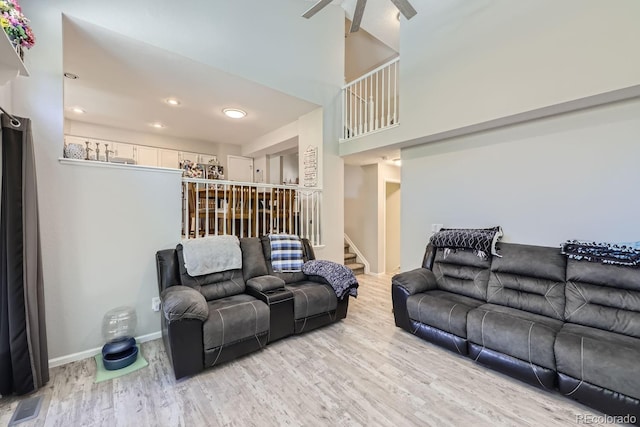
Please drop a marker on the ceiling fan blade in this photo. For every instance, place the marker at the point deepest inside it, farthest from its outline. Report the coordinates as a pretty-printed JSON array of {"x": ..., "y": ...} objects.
[
  {"x": 357, "y": 15},
  {"x": 316, "y": 8},
  {"x": 405, "y": 8}
]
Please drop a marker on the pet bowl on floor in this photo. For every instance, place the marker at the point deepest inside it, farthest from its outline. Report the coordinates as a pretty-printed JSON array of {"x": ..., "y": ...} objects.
[{"x": 119, "y": 353}]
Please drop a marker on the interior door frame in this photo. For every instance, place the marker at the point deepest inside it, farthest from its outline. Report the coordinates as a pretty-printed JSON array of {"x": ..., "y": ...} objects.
[
  {"x": 230, "y": 156},
  {"x": 384, "y": 218}
]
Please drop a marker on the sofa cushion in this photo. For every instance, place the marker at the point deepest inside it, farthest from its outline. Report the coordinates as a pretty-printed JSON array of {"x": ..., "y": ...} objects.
[
  {"x": 462, "y": 273},
  {"x": 253, "y": 263},
  {"x": 598, "y": 357},
  {"x": 183, "y": 302},
  {"x": 443, "y": 310},
  {"x": 265, "y": 283},
  {"x": 311, "y": 298},
  {"x": 529, "y": 278},
  {"x": 415, "y": 281},
  {"x": 234, "y": 318},
  {"x": 212, "y": 286},
  {"x": 603, "y": 296},
  {"x": 523, "y": 335}
]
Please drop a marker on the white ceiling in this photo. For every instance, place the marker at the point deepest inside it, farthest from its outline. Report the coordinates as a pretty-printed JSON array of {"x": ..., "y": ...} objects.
[
  {"x": 379, "y": 19},
  {"x": 123, "y": 83}
]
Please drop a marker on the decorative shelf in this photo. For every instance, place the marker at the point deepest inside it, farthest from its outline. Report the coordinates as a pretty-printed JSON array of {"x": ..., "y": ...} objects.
[{"x": 11, "y": 66}]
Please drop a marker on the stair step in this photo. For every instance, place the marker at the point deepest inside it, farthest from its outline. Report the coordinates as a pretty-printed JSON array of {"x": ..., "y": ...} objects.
[
  {"x": 346, "y": 248},
  {"x": 349, "y": 257},
  {"x": 356, "y": 267}
]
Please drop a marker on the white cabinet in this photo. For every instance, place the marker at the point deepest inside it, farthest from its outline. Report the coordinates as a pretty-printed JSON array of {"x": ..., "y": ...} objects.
[
  {"x": 206, "y": 158},
  {"x": 123, "y": 152},
  {"x": 74, "y": 140},
  {"x": 168, "y": 158},
  {"x": 193, "y": 157},
  {"x": 146, "y": 156}
]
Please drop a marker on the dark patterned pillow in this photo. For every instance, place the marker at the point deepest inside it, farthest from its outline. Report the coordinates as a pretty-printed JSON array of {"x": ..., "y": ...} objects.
[
  {"x": 482, "y": 241},
  {"x": 606, "y": 253}
]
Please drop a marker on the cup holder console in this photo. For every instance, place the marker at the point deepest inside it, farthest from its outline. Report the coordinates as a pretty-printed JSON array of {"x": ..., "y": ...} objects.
[{"x": 281, "y": 308}]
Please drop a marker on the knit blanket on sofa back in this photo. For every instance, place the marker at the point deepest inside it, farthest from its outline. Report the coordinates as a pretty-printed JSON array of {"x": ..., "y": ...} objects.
[
  {"x": 626, "y": 254},
  {"x": 482, "y": 241}
]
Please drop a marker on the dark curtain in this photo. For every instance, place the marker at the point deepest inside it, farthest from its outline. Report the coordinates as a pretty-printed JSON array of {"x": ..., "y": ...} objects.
[{"x": 23, "y": 342}]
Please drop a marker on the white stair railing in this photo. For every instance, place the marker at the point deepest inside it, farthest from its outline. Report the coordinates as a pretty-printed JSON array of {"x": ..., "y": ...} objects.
[
  {"x": 215, "y": 207},
  {"x": 370, "y": 103}
]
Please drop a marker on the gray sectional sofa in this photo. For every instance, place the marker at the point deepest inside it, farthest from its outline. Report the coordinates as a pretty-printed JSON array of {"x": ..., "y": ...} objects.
[
  {"x": 565, "y": 325},
  {"x": 217, "y": 317}
]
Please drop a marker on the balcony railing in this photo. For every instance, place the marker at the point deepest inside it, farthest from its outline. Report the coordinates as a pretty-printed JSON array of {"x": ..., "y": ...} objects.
[
  {"x": 370, "y": 103},
  {"x": 214, "y": 207}
]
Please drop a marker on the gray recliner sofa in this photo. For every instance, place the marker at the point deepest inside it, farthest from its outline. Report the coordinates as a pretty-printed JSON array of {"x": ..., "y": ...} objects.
[
  {"x": 214, "y": 318},
  {"x": 566, "y": 325}
]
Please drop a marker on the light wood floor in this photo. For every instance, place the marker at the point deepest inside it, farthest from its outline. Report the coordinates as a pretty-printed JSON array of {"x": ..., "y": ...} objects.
[{"x": 361, "y": 371}]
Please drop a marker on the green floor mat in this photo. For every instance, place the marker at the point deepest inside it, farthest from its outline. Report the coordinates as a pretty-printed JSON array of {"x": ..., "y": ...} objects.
[{"x": 103, "y": 375}]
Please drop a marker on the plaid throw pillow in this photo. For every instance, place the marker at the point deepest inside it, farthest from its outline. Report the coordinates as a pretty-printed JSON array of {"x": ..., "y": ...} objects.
[{"x": 286, "y": 253}]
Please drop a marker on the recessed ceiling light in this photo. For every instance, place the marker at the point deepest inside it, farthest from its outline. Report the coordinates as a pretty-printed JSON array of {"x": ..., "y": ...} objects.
[
  {"x": 172, "y": 101},
  {"x": 71, "y": 76},
  {"x": 78, "y": 110},
  {"x": 157, "y": 125},
  {"x": 234, "y": 113}
]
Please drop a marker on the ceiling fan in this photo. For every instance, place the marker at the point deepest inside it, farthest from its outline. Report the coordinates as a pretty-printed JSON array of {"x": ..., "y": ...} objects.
[{"x": 403, "y": 6}]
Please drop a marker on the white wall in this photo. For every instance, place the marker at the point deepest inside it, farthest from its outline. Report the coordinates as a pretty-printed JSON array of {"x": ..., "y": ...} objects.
[
  {"x": 5, "y": 97},
  {"x": 464, "y": 63},
  {"x": 281, "y": 139},
  {"x": 261, "y": 171},
  {"x": 364, "y": 215},
  {"x": 308, "y": 65},
  {"x": 90, "y": 130},
  {"x": 320, "y": 128},
  {"x": 360, "y": 210},
  {"x": 546, "y": 181},
  {"x": 6, "y": 103},
  {"x": 363, "y": 53},
  {"x": 275, "y": 170},
  {"x": 290, "y": 168},
  {"x": 103, "y": 250}
]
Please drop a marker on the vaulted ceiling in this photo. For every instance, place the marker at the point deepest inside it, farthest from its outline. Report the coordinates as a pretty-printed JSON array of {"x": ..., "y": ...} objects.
[{"x": 124, "y": 83}]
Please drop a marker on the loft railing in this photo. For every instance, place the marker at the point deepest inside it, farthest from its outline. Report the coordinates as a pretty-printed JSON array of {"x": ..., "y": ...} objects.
[
  {"x": 370, "y": 103},
  {"x": 215, "y": 207}
]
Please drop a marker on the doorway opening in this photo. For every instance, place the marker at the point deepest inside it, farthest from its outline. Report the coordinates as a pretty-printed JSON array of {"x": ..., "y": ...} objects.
[{"x": 392, "y": 226}]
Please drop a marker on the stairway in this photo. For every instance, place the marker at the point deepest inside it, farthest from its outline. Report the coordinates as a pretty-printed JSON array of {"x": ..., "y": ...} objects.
[{"x": 351, "y": 262}]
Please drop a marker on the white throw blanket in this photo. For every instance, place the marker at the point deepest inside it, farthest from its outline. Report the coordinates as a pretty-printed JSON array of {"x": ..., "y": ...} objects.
[{"x": 211, "y": 254}]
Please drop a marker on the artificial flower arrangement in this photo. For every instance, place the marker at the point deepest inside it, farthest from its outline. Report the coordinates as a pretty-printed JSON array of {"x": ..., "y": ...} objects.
[
  {"x": 191, "y": 170},
  {"x": 15, "y": 24}
]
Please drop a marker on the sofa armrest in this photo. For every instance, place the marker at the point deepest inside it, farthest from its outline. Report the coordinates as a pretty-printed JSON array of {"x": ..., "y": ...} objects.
[
  {"x": 183, "y": 302},
  {"x": 265, "y": 283},
  {"x": 415, "y": 281}
]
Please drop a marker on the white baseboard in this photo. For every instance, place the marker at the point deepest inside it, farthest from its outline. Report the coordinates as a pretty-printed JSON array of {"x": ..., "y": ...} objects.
[{"x": 63, "y": 360}]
